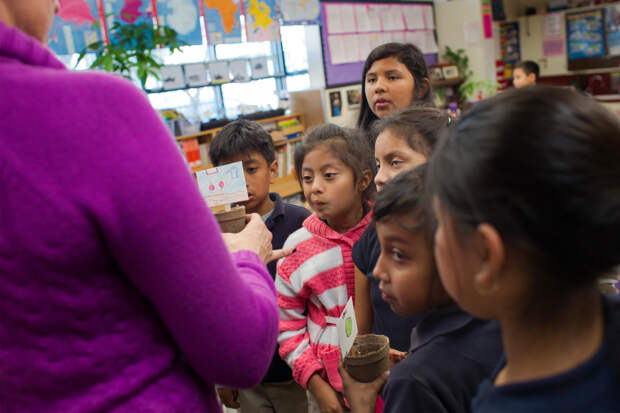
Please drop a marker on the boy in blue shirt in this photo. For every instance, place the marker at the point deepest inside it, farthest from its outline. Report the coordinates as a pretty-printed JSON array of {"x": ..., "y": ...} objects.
[{"x": 248, "y": 142}]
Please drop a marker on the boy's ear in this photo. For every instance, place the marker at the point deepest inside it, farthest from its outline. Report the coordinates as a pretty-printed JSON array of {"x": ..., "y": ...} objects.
[
  {"x": 490, "y": 247},
  {"x": 273, "y": 171},
  {"x": 532, "y": 78},
  {"x": 364, "y": 181}
]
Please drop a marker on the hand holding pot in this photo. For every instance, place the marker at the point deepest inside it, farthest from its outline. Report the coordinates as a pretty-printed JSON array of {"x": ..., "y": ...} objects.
[
  {"x": 362, "y": 397},
  {"x": 254, "y": 237}
]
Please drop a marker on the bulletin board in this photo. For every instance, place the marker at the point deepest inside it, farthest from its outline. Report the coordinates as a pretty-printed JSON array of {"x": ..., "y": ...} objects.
[
  {"x": 350, "y": 30},
  {"x": 588, "y": 43}
]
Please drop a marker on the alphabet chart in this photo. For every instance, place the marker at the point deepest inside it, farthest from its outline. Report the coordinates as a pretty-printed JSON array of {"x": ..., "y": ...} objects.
[{"x": 223, "y": 185}]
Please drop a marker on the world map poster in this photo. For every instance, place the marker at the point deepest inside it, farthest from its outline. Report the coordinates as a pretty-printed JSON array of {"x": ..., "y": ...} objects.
[
  {"x": 262, "y": 21},
  {"x": 127, "y": 11},
  {"x": 300, "y": 11},
  {"x": 74, "y": 27},
  {"x": 222, "y": 19},
  {"x": 182, "y": 16}
]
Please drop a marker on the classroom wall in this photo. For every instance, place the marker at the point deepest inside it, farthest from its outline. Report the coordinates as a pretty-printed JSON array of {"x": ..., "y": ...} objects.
[
  {"x": 348, "y": 114},
  {"x": 459, "y": 25},
  {"x": 531, "y": 36}
]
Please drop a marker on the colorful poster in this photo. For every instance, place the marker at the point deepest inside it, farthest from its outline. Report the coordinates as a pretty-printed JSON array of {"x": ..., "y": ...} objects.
[
  {"x": 612, "y": 23},
  {"x": 299, "y": 11},
  {"x": 223, "y": 21},
  {"x": 509, "y": 42},
  {"x": 487, "y": 18},
  {"x": 76, "y": 25},
  {"x": 127, "y": 11},
  {"x": 553, "y": 41},
  {"x": 584, "y": 32},
  {"x": 183, "y": 16},
  {"x": 261, "y": 21}
]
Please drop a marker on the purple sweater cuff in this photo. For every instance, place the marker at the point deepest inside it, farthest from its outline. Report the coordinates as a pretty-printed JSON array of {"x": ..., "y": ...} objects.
[{"x": 248, "y": 258}]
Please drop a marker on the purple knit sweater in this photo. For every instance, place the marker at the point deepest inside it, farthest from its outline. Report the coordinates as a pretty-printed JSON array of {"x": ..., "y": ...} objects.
[{"x": 113, "y": 276}]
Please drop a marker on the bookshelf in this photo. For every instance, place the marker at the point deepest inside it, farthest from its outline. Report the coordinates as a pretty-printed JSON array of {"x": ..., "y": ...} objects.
[{"x": 286, "y": 131}]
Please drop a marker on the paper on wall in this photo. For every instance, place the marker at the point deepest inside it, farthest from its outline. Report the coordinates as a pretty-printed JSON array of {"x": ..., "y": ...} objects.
[
  {"x": 375, "y": 40},
  {"x": 260, "y": 67},
  {"x": 218, "y": 71},
  {"x": 430, "y": 42},
  {"x": 416, "y": 38},
  {"x": 337, "y": 49},
  {"x": 347, "y": 17},
  {"x": 347, "y": 328},
  {"x": 429, "y": 19},
  {"x": 352, "y": 48},
  {"x": 414, "y": 17},
  {"x": 398, "y": 37},
  {"x": 196, "y": 74},
  {"x": 172, "y": 76},
  {"x": 364, "y": 46},
  {"x": 395, "y": 13},
  {"x": 332, "y": 17},
  {"x": 374, "y": 18},
  {"x": 391, "y": 17},
  {"x": 363, "y": 20},
  {"x": 385, "y": 37},
  {"x": 239, "y": 70},
  {"x": 472, "y": 33},
  {"x": 553, "y": 25}
]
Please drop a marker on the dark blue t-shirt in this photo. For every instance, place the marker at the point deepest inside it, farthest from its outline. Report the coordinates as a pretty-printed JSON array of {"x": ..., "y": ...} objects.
[
  {"x": 589, "y": 387},
  {"x": 282, "y": 222},
  {"x": 451, "y": 353},
  {"x": 366, "y": 252}
]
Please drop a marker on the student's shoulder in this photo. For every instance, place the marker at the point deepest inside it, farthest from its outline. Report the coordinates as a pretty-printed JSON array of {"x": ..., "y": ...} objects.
[
  {"x": 406, "y": 391},
  {"x": 295, "y": 212},
  {"x": 297, "y": 237}
]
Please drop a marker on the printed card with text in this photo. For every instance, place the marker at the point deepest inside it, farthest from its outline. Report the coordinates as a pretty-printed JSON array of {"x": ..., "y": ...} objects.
[
  {"x": 347, "y": 329},
  {"x": 223, "y": 185}
]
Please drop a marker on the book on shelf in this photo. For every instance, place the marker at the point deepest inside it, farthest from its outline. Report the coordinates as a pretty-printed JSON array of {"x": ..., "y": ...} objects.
[
  {"x": 192, "y": 151},
  {"x": 204, "y": 154},
  {"x": 290, "y": 158},
  {"x": 281, "y": 156},
  {"x": 287, "y": 122},
  {"x": 270, "y": 126}
]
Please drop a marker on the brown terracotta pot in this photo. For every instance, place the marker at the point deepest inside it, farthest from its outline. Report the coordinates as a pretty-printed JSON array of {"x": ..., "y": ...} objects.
[
  {"x": 368, "y": 358},
  {"x": 233, "y": 220}
]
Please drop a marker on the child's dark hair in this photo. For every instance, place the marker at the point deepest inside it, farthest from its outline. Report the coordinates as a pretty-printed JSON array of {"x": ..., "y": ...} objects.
[
  {"x": 420, "y": 126},
  {"x": 529, "y": 67},
  {"x": 405, "y": 194},
  {"x": 350, "y": 145},
  {"x": 407, "y": 54},
  {"x": 241, "y": 137},
  {"x": 541, "y": 166}
]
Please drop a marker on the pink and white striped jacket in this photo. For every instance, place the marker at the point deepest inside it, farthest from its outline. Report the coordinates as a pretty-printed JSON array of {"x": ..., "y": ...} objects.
[{"x": 313, "y": 285}]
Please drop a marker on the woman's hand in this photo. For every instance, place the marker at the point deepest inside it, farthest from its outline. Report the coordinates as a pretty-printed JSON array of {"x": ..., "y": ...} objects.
[
  {"x": 229, "y": 397},
  {"x": 255, "y": 237},
  {"x": 328, "y": 399},
  {"x": 362, "y": 397}
]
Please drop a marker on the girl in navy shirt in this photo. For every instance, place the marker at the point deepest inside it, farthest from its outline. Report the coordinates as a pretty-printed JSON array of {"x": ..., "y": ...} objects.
[{"x": 527, "y": 194}]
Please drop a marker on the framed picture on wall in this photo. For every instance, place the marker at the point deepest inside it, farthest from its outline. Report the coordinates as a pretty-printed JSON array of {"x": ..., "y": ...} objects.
[
  {"x": 335, "y": 103},
  {"x": 450, "y": 72},
  {"x": 354, "y": 98},
  {"x": 436, "y": 73}
]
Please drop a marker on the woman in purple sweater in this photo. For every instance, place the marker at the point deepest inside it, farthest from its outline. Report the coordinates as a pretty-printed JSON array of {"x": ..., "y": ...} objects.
[{"x": 117, "y": 292}]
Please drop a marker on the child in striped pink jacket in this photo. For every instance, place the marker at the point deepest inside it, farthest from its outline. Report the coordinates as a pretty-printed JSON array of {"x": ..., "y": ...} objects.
[{"x": 335, "y": 168}]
